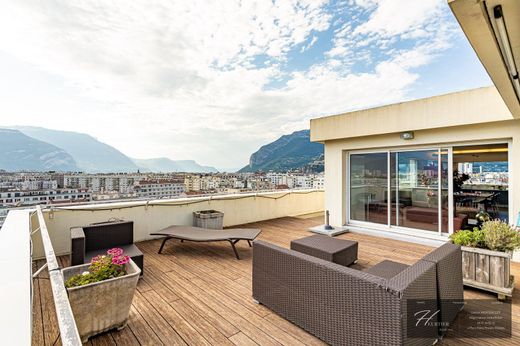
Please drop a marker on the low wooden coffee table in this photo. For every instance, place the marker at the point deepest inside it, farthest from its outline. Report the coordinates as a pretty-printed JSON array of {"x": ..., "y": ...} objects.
[{"x": 335, "y": 250}]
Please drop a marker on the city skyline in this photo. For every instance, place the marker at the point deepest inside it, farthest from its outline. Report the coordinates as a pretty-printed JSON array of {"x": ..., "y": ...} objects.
[{"x": 216, "y": 83}]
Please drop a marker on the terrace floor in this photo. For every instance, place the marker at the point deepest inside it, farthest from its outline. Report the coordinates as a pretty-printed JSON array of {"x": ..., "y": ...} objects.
[{"x": 199, "y": 294}]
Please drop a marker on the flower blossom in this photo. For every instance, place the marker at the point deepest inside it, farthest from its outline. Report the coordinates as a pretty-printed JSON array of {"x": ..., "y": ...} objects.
[
  {"x": 115, "y": 252},
  {"x": 120, "y": 260}
]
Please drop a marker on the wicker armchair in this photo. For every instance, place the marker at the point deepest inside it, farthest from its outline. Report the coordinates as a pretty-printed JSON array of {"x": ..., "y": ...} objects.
[{"x": 92, "y": 240}]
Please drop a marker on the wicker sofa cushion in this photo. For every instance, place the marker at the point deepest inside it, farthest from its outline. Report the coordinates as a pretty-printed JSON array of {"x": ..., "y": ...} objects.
[{"x": 386, "y": 269}]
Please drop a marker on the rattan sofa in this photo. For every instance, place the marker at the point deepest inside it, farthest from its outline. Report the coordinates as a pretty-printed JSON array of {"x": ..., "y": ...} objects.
[{"x": 345, "y": 306}]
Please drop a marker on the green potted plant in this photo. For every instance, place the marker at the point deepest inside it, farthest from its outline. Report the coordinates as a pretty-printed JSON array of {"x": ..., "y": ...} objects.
[
  {"x": 101, "y": 292},
  {"x": 486, "y": 256}
]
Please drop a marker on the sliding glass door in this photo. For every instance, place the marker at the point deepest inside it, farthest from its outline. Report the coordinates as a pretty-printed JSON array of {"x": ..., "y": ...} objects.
[
  {"x": 417, "y": 189},
  {"x": 368, "y": 187},
  {"x": 398, "y": 188},
  {"x": 432, "y": 189}
]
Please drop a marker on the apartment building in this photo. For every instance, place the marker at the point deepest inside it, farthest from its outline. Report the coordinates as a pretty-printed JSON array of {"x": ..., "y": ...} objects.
[
  {"x": 296, "y": 180},
  {"x": 318, "y": 182},
  {"x": 160, "y": 188},
  {"x": 204, "y": 182},
  {"x": 100, "y": 183},
  {"x": 14, "y": 198}
]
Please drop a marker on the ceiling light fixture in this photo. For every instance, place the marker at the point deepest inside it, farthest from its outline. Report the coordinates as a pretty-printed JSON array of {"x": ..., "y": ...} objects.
[{"x": 505, "y": 47}]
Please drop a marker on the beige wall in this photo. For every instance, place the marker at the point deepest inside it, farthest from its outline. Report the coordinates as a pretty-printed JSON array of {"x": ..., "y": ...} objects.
[
  {"x": 238, "y": 209},
  {"x": 476, "y": 106},
  {"x": 336, "y": 151}
]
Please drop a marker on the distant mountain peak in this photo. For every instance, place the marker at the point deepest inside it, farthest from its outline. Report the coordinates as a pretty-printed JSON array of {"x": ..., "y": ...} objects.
[
  {"x": 19, "y": 152},
  {"x": 288, "y": 152},
  {"x": 90, "y": 154}
]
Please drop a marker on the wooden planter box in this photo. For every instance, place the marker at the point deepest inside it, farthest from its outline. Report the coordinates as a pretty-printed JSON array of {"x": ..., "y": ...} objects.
[
  {"x": 211, "y": 219},
  {"x": 103, "y": 305},
  {"x": 488, "y": 270}
]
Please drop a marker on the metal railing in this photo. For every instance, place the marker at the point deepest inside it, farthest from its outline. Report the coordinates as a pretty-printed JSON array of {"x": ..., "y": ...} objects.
[{"x": 68, "y": 330}]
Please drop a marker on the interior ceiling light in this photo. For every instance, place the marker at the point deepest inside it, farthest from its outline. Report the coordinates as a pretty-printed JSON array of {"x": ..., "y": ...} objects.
[
  {"x": 505, "y": 47},
  {"x": 480, "y": 151}
]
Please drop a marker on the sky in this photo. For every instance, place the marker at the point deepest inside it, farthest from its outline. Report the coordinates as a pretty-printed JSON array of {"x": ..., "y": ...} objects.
[{"x": 214, "y": 80}]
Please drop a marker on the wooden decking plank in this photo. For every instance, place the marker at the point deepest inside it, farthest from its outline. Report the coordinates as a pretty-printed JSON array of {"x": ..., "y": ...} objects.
[
  {"x": 159, "y": 325},
  {"x": 213, "y": 317},
  {"x": 125, "y": 336},
  {"x": 142, "y": 330},
  {"x": 38, "y": 337},
  {"x": 157, "y": 286},
  {"x": 294, "y": 330},
  {"x": 198, "y": 293},
  {"x": 142, "y": 285},
  {"x": 189, "y": 334},
  {"x": 227, "y": 288},
  {"x": 212, "y": 260},
  {"x": 49, "y": 318},
  {"x": 240, "y": 339},
  {"x": 270, "y": 329},
  {"x": 212, "y": 334},
  {"x": 222, "y": 307},
  {"x": 104, "y": 339}
]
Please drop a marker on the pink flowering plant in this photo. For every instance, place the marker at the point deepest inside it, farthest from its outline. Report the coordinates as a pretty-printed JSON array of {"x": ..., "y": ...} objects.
[{"x": 102, "y": 267}]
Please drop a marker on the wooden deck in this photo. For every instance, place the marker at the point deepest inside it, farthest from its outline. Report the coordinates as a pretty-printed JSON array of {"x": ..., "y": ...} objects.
[{"x": 199, "y": 294}]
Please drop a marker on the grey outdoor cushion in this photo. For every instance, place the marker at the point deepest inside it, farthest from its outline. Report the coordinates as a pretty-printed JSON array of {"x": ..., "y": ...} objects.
[{"x": 386, "y": 269}]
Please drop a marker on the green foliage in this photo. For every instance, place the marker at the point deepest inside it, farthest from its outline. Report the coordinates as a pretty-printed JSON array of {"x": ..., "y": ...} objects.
[
  {"x": 101, "y": 268},
  {"x": 494, "y": 235},
  {"x": 500, "y": 236},
  {"x": 473, "y": 238},
  {"x": 462, "y": 238},
  {"x": 478, "y": 238}
]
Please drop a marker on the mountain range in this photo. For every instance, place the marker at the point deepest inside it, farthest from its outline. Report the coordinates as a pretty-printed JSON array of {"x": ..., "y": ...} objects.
[
  {"x": 40, "y": 149},
  {"x": 90, "y": 154},
  {"x": 21, "y": 152},
  {"x": 294, "y": 151}
]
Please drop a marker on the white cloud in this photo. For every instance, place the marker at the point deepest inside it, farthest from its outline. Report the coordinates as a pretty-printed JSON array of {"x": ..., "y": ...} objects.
[
  {"x": 396, "y": 17},
  {"x": 181, "y": 78}
]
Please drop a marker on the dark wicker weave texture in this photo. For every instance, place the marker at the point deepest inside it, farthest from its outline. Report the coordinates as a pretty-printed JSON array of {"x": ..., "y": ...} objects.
[
  {"x": 386, "y": 269},
  {"x": 96, "y": 239},
  {"x": 340, "y": 305},
  {"x": 335, "y": 250},
  {"x": 448, "y": 259}
]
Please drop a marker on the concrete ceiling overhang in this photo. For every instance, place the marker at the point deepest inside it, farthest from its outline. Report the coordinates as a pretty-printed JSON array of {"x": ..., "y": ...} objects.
[{"x": 477, "y": 20}]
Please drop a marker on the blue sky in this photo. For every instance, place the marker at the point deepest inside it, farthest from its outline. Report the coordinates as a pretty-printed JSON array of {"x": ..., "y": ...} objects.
[{"x": 213, "y": 81}]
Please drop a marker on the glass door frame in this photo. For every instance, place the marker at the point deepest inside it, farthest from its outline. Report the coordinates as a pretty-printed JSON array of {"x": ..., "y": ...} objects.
[{"x": 389, "y": 226}]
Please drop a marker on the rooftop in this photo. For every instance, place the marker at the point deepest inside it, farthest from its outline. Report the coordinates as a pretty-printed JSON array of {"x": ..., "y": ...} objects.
[
  {"x": 199, "y": 294},
  {"x": 474, "y": 106}
]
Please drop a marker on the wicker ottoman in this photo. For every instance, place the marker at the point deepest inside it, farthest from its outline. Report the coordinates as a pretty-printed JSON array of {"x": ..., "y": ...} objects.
[{"x": 339, "y": 251}]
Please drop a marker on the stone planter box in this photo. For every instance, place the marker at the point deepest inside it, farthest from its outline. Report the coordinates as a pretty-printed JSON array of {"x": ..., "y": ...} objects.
[
  {"x": 488, "y": 270},
  {"x": 211, "y": 219},
  {"x": 103, "y": 305}
]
